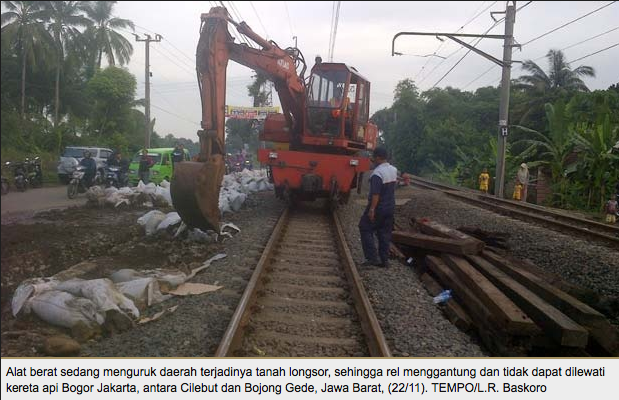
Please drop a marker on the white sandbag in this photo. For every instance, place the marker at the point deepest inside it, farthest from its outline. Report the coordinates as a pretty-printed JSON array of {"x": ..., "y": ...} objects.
[
  {"x": 124, "y": 275},
  {"x": 252, "y": 186},
  {"x": 165, "y": 184},
  {"x": 151, "y": 221},
  {"x": 125, "y": 191},
  {"x": 236, "y": 200},
  {"x": 261, "y": 185},
  {"x": 143, "y": 291},
  {"x": 163, "y": 194},
  {"x": 102, "y": 293},
  {"x": 63, "y": 309},
  {"x": 94, "y": 193},
  {"x": 28, "y": 289},
  {"x": 140, "y": 187},
  {"x": 197, "y": 235},
  {"x": 171, "y": 219},
  {"x": 150, "y": 188},
  {"x": 110, "y": 191}
]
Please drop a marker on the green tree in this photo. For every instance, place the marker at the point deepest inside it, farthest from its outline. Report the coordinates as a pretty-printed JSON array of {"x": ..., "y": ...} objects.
[
  {"x": 595, "y": 143},
  {"x": 112, "y": 92},
  {"x": 103, "y": 33},
  {"x": 64, "y": 18},
  {"x": 256, "y": 90},
  {"x": 23, "y": 27},
  {"x": 554, "y": 147},
  {"x": 559, "y": 83}
]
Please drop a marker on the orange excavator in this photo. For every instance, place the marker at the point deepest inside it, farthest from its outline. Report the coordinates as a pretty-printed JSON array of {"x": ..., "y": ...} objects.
[{"x": 319, "y": 143}]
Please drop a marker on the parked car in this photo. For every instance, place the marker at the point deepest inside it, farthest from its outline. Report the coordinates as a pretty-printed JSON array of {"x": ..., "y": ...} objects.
[
  {"x": 162, "y": 168},
  {"x": 72, "y": 155}
]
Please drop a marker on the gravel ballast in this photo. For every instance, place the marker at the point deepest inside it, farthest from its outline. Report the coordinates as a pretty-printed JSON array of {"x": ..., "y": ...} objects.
[{"x": 412, "y": 324}]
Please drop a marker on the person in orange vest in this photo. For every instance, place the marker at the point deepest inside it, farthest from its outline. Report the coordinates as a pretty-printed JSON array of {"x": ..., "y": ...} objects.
[
  {"x": 484, "y": 180},
  {"x": 517, "y": 191}
]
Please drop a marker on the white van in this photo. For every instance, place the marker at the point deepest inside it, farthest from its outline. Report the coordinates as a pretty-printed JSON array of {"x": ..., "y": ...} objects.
[{"x": 72, "y": 155}]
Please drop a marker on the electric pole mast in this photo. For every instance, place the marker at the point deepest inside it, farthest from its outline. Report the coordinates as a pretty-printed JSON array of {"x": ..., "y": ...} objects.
[
  {"x": 508, "y": 44},
  {"x": 147, "y": 83},
  {"x": 505, "y": 63}
]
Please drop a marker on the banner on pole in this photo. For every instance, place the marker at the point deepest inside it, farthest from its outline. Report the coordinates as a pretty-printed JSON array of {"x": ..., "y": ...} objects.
[{"x": 259, "y": 113}]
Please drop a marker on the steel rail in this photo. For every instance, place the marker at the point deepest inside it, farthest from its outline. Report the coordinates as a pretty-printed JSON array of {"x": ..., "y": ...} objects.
[
  {"x": 528, "y": 212},
  {"x": 232, "y": 339}
]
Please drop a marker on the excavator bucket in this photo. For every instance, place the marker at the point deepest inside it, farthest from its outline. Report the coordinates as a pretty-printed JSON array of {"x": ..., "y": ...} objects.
[{"x": 195, "y": 192}]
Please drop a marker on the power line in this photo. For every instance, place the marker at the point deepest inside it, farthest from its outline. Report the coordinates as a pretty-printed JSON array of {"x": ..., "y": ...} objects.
[
  {"x": 183, "y": 68},
  {"x": 539, "y": 58},
  {"x": 335, "y": 16},
  {"x": 251, "y": 3},
  {"x": 289, "y": 19},
  {"x": 175, "y": 115},
  {"x": 462, "y": 27},
  {"x": 596, "y": 52},
  {"x": 567, "y": 23}
]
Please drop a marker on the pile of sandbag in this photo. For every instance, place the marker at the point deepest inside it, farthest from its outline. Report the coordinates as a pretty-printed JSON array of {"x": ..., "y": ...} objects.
[
  {"x": 155, "y": 221},
  {"x": 69, "y": 301},
  {"x": 140, "y": 195},
  {"x": 237, "y": 186}
]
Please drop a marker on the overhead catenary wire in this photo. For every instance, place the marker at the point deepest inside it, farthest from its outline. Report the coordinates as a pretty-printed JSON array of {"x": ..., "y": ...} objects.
[
  {"x": 461, "y": 47},
  {"x": 594, "y": 53},
  {"x": 335, "y": 19},
  {"x": 174, "y": 114},
  {"x": 462, "y": 27},
  {"x": 544, "y": 56},
  {"x": 567, "y": 24},
  {"x": 251, "y": 3},
  {"x": 289, "y": 19}
]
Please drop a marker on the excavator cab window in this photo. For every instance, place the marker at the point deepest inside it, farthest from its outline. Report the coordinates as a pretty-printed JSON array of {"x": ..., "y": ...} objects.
[{"x": 329, "y": 100}]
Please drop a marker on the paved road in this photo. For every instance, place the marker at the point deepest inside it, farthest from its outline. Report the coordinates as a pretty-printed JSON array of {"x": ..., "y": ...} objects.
[{"x": 34, "y": 200}]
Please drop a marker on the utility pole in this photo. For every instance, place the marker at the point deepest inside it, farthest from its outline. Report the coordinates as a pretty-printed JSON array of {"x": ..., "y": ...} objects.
[
  {"x": 147, "y": 83},
  {"x": 508, "y": 44},
  {"x": 506, "y": 64}
]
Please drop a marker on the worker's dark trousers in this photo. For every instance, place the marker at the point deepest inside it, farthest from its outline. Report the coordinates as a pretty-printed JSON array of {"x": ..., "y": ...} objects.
[{"x": 382, "y": 227}]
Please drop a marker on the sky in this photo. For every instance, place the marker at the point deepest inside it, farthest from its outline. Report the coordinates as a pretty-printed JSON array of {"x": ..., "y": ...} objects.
[{"x": 363, "y": 40}]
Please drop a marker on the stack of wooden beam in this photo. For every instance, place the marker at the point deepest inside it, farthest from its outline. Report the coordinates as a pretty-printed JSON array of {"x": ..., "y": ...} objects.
[{"x": 512, "y": 310}]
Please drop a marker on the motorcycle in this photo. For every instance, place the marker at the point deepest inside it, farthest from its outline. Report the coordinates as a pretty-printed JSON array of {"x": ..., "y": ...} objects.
[
  {"x": 35, "y": 174},
  {"x": 5, "y": 185},
  {"x": 248, "y": 165},
  {"x": 20, "y": 180},
  {"x": 78, "y": 184},
  {"x": 114, "y": 176}
]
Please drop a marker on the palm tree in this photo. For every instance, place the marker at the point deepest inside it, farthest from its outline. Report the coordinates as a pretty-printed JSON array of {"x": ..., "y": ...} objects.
[
  {"x": 23, "y": 26},
  {"x": 106, "y": 39},
  {"x": 64, "y": 17},
  {"x": 549, "y": 87},
  {"x": 560, "y": 76}
]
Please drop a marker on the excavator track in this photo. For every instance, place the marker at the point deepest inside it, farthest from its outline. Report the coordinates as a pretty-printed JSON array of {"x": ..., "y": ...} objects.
[{"x": 305, "y": 298}]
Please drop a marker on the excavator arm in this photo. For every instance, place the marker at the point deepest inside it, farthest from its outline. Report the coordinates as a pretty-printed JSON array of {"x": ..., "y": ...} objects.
[{"x": 196, "y": 185}]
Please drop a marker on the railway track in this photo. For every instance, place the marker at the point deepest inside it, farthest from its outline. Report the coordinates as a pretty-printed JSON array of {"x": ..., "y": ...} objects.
[
  {"x": 305, "y": 297},
  {"x": 586, "y": 229}
]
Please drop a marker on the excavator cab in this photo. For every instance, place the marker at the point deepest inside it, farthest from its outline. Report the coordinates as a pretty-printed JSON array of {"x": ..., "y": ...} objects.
[{"x": 337, "y": 101}]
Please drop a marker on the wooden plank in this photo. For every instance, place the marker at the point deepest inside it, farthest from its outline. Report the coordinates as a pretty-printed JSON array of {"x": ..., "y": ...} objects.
[
  {"x": 489, "y": 330},
  {"x": 598, "y": 326},
  {"x": 557, "y": 325},
  {"x": 433, "y": 228},
  {"x": 574, "y": 308},
  {"x": 513, "y": 317},
  {"x": 434, "y": 243},
  {"x": 454, "y": 312}
]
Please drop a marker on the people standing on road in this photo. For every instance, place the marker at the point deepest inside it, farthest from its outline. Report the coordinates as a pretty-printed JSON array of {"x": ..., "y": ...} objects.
[
  {"x": 611, "y": 210},
  {"x": 144, "y": 169},
  {"x": 178, "y": 154},
  {"x": 522, "y": 179},
  {"x": 378, "y": 216},
  {"x": 484, "y": 180},
  {"x": 90, "y": 168}
]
